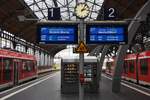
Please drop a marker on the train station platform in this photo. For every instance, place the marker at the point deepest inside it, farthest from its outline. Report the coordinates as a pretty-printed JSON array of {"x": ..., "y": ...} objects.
[{"x": 48, "y": 88}]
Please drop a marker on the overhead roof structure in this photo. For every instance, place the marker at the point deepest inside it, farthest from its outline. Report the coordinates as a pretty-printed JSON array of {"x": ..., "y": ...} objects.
[
  {"x": 38, "y": 9},
  {"x": 126, "y": 10}
]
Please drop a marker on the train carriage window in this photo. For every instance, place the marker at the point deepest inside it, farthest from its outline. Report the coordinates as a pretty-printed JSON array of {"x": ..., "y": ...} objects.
[
  {"x": 125, "y": 69},
  {"x": 7, "y": 69},
  {"x": 32, "y": 65},
  {"x": 131, "y": 66},
  {"x": 144, "y": 66},
  {"x": 28, "y": 66}
]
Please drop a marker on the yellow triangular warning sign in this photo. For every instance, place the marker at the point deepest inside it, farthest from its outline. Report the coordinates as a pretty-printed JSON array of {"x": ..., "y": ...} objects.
[{"x": 82, "y": 48}]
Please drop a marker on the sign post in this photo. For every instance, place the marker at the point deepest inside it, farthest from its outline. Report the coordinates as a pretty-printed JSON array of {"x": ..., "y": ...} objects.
[{"x": 81, "y": 59}]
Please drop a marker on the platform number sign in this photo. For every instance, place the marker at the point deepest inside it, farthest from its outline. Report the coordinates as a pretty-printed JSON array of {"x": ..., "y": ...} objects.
[
  {"x": 54, "y": 14},
  {"x": 110, "y": 13}
]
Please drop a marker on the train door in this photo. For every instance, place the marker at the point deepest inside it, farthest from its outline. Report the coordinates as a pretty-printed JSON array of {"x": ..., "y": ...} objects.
[
  {"x": 16, "y": 72},
  {"x": 144, "y": 71},
  {"x": 1, "y": 65},
  {"x": 132, "y": 71},
  {"x": 7, "y": 70}
]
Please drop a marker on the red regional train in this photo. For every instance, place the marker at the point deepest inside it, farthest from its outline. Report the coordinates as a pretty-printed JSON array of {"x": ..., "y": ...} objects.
[
  {"x": 136, "y": 68},
  {"x": 16, "y": 68}
]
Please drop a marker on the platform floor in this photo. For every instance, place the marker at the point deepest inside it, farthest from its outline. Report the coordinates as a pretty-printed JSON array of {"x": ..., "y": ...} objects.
[{"x": 49, "y": 89}]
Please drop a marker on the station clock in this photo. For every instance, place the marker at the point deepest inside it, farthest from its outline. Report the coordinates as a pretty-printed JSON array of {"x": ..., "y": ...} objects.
[{"x": 82, "y": 10}]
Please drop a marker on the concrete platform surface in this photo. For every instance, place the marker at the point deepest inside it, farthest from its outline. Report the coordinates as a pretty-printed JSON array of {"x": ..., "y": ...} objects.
[{"x": 49, "y": 89}]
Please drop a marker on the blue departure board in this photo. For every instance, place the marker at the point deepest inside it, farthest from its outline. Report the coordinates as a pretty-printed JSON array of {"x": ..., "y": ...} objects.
[
  {"x": 106, "y": 33},
  {"x": 57, "y": 34}
]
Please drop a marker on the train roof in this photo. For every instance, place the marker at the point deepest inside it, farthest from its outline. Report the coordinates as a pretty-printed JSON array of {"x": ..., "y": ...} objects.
[
  {"x": 13, "y": 54},
  {"x": 130, "y": 57},
  {"x": 144, "y": 55}
]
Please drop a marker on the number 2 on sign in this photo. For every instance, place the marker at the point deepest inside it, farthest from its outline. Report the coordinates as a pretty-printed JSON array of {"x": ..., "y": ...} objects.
[{"x": 112, "y": 11}]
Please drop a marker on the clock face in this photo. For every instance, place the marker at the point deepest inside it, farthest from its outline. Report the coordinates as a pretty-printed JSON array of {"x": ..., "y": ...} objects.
[{"x": 82, "y": 10}]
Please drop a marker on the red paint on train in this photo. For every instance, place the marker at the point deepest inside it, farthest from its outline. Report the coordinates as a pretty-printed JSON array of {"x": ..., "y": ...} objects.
[{"x": 140, "y": 61}]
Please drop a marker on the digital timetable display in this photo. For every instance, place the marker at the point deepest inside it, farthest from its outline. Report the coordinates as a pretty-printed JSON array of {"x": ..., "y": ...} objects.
[
  {"x": 106, "y": 33},
  {"x": 58, "y": 34}
]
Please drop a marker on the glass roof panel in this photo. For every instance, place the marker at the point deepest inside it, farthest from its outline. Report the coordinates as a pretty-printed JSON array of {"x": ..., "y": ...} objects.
[
  {"x": 40, "y": 7},
  {"x": 34, "y": 8},
  {"x": 49, "y": 3},
  {"x": 39, "y": 14}
]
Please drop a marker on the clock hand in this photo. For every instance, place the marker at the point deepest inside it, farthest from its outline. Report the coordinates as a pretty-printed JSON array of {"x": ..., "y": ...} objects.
[{"x": 84, "y": 8}]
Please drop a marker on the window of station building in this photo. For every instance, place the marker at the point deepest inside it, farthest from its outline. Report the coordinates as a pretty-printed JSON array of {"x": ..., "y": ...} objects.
[
  {"x": 125, "y": 67},
  {"x": 131, "y": 66},
  {"x": 144, "y": 66},
  {"x": 7, "y": 64}
]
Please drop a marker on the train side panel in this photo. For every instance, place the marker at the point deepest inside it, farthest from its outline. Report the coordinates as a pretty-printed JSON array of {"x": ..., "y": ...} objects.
[
  {"x": 129, "y": 72},
  {"x": 16, "y": 67},
  {"x": 129, "y": 68},
  {"x": 28, "y": 70}
]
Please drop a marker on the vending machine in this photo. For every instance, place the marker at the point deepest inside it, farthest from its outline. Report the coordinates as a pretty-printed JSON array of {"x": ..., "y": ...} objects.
[{"x": 70, "y": 76}]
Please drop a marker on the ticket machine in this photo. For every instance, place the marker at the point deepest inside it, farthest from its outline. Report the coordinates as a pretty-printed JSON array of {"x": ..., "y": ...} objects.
[{"x": 91, "y": 79}]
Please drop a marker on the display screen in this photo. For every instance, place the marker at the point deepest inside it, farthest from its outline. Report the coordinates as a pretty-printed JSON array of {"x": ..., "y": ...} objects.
[
  {"x": 107, "y": 33},
  {"x": 57, "y": 34}
]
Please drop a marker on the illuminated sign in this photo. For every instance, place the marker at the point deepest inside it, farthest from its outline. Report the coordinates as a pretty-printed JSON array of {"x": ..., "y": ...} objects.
[
  {"x": 102, "y": 33},
  {"x": 57, "y": 33}
]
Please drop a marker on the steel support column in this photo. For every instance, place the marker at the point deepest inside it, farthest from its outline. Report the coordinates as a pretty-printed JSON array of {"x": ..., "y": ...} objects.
[
  {"x": 102, "y": 58},
  {"x": 132, "y": 29},
  {"x": 51, "y": 60}
]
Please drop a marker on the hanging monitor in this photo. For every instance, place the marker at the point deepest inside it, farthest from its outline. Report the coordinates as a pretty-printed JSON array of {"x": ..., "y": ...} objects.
[
  {"x": 107, "y": 32},
  {"x": 57, "y": 32}
]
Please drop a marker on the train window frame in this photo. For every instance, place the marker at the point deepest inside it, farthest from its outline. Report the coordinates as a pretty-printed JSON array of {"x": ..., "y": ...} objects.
[
  {"x": 131, "y": 68},
  {"x": 1, "y": 65},
  {"x": 144, "y": 62},
  {"x": 28, "y": 65},
  {"x": 32, "y": 64}
]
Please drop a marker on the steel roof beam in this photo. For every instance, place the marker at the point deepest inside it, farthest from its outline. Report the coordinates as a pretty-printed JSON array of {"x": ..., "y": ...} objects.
[
  {"x": 92, "y": 8},
  {"x": 68, "y": 10},
  {"x": 55, "y": 3},
  {"x": 39, "y": 8},
  {"x": 96, "y": 51},
  {"x": 101, "y": 59}
]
